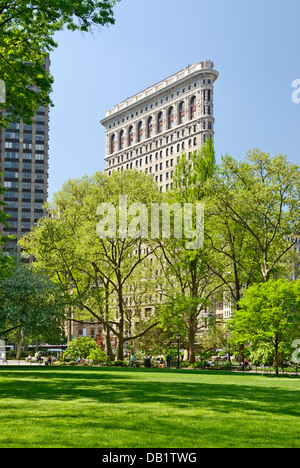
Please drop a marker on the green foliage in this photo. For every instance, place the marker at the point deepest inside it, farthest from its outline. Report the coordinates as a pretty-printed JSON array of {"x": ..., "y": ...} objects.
[
  {"x": 92, "y": 268},
  {"x": 30, "y": 302},
  {"x": 269, "y": 315},
  {"x": 98, "y": 356},
  {"x": 190, "y": 281},
  {"x": 27, "y": 32},
  {"x": 80, "y": 347},
  {"x": 255, "y": 207},
  {"x": 119, "y": 363},
  {"x": 262, "y": 355}
]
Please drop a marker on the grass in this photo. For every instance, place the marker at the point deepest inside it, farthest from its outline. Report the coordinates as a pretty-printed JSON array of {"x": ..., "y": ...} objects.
[{"x": 86, "y": 407}]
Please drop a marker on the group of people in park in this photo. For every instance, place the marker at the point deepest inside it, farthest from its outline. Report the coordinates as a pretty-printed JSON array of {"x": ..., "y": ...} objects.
[{"x": 38, "y": 358}]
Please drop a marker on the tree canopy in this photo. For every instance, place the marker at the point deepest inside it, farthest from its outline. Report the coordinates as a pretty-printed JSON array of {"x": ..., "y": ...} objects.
[
  {"x": 27, "y": 32},
  {"x": 269, "y": 314},
  {"x": 30, "y": 302}
]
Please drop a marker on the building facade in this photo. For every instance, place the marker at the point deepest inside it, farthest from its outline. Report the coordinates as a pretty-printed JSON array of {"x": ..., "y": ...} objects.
[
  {"x": 24, "y": 162},
  {"x": 151, "y": 130}
]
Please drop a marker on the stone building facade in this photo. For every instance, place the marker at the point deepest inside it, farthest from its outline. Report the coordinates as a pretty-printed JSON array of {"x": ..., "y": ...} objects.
[{"x": 151, "y": 130}]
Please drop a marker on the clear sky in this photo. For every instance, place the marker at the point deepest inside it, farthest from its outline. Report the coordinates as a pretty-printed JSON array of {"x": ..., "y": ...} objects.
[{"x": 255, "y": 46}]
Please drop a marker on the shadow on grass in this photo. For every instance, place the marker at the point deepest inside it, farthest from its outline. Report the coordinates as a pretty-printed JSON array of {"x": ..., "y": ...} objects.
[{"x": 109, "y": 386}]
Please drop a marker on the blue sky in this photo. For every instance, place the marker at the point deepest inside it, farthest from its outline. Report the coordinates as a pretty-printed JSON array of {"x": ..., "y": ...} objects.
[{"x": 255, "y": 46}]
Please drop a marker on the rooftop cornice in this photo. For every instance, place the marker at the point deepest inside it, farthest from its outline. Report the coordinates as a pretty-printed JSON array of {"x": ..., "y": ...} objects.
[{"x": 156, "y": 90}]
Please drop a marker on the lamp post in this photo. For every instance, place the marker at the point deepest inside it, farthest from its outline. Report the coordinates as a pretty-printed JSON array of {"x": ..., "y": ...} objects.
[{"x": 178, "y": 340}]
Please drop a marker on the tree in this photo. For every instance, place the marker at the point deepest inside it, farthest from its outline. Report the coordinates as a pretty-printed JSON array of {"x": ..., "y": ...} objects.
[
  {"x": 80, "y": 347},
  {"x": 253, "y": 210},
  {"x": 96, "y": 270},
  {"x": 190, "y": 283},
  {"x": 257, "y": 204},
  {"x": 269, "y": 314},
  {"x": 30, "y": 304},
  {"x": 27, "y": 32}
]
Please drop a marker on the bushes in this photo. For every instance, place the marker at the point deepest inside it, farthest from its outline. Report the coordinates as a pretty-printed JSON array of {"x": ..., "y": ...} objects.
[
  {"x": 98, "y": 356},
  {"x": 119, "y": 364},
  {"x": 80, "y": 347}
]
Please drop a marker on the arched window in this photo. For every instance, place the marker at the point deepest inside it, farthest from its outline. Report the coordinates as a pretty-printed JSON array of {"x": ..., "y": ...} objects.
[
  {"x": 150, "y": 127},
  {"x": 112, "y": 144},
  {"x": 181, "y": 113},
  {"x": 193, "y": 107},
  {"x": 130, "y": 134},
  {"x": 140, "y": 131},
  {"x": 160, "y": 123},
  {"x": 171, "y": 118},
  {"x": 122, "y": 140}
]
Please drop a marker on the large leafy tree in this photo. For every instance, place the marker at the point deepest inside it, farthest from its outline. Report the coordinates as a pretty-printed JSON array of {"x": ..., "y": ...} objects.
[
  {"x": 253, "y": 208},
  {"x": 256, "y": 204},
  {"x": 190, "y": 285},
  {"x": 269, "y": 314},
  {"x": 97, "y": 270},
  {"x": 30, "y": 304},
  {"x": 27, "y": 30}
]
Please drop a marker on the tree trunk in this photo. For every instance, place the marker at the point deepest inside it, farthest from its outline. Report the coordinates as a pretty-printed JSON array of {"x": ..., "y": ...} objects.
[
  {"x": 193, "y": 315},
  {"x": 191, "y": 344},
  {"x": 107, "y": 330},
  {"x": 19, "y": 345},
  {"x": 108, "y": 344},
  {"x": 120, "y": 349},
  {"x": 276, "y": 357}
]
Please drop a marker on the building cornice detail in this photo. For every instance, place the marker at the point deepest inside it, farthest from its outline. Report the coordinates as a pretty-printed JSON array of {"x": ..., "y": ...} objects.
[{"x": 182, "y": 78}]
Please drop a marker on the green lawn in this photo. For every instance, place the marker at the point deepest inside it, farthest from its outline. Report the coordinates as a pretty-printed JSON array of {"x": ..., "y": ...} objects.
[{"x": 144, "y": 408}]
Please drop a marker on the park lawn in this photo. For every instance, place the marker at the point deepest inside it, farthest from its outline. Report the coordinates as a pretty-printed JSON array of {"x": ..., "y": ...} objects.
[{"x": 85, "y": 407}]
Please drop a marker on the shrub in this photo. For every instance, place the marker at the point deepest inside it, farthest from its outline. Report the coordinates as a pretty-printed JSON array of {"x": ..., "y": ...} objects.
[
  {"x": 80, "y": 347},
  {"x": 119, "y": 364},
  {"x": 98, "y": 356}
]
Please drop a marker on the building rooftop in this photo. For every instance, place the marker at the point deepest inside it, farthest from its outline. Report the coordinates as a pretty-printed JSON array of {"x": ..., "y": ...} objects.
[{"x": 187, "y": 72}]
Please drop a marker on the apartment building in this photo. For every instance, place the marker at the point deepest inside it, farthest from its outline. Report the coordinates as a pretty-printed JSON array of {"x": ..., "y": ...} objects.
[
  {"x": 151, "y": 130},
  {"x": 24, "y": 162}
]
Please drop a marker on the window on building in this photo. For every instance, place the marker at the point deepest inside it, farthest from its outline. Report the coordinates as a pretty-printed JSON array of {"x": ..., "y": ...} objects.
[
  {"x": 113, "y": 144},
  {"x": 193, "y": 107},
  {"x": 130, "y": 134},
  {"x": 160, "y": 123},
  {"x": 171, "y": 118},
  {"x": 122, "y": 140},
  {"x": 140, "y": 132},
  {"x": 150, "y": 127},
  {"x": 181, "y": 113}
]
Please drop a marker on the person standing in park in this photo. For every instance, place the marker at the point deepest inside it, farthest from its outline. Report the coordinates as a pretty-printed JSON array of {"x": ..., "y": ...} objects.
[
  {"x": 3, "y": 357},
  {"x": 168, "y": 361},
  {"x": 131, "y": 360}
]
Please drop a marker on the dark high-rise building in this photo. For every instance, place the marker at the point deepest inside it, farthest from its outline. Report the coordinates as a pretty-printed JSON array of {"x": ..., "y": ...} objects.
[{"x": 24, "y": 162}]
